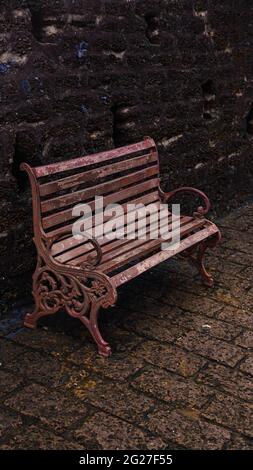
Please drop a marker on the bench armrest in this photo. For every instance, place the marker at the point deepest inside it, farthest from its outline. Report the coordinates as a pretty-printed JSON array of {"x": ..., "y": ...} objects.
[
  {"x": 68, "y": 231},
  {"x": 201, "y": 211}
]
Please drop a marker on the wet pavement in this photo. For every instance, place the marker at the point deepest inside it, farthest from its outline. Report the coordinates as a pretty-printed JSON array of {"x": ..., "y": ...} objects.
[{"x": 181, "y": 373}]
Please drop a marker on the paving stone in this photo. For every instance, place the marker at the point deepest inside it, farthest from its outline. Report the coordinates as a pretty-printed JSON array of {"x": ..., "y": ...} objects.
[
  {"x": 172, "y": 389},
  {"x": 193, "y": 433},
  {"x": 9, "y": 423},
  {"x": 211, "y": 348},
  {"x": 237, "y": 316},
  {"x": 117, "y": 367},
  {"x": 159, "y": 329},
  {"x": 247, "y": 365},
  {"x": 9, "y": 351},
  {"x": 34, "y": 438},
  {"x": 120, "y": 400},
  {"x": 194, "y": 303},
  {"x": 41, "y": 368},
  {"x": 171, "y": 358},
  {"x": 209, "y": 326},
  {"x": 58, "y": 344},
  {"x": 51, "y": 408},
  {"x": 230, "y": 381},
  {"x": 245, "y": 340},
  {"x": 142, "y": 303},
  {"x": 120, "y": 340},
  {"x": 8, "y": 383},
  {"x": 229, "y": 412},
  {"x": 240, "y": 443},
  {"x": 245, "y": 259},
  {"x": 105, "y": 432},
  {"x": 181, "y": 372}
]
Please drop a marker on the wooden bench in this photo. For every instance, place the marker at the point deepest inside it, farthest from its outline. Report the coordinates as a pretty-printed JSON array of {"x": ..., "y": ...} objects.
[{"x": 81, "y": 276}]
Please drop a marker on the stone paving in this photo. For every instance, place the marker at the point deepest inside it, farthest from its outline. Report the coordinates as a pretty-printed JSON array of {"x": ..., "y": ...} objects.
[{"x": 181, "y": 374}]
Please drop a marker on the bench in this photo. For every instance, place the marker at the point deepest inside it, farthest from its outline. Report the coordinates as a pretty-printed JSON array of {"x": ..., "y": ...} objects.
[{"x": 82, "y": 275}]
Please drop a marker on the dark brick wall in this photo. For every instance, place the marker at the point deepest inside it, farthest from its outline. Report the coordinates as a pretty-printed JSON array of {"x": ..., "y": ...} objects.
[{"x": 79, "y": 76}]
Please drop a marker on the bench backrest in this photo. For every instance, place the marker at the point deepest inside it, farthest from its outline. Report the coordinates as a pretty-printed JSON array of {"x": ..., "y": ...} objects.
[{"x": 122, "y": 175}]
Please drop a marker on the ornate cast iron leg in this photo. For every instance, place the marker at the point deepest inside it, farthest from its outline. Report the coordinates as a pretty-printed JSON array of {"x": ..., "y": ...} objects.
[
  {"x": 198, "y": 258},
  {"x": 92, "y": 324},
  {"x": 43, "y": 306},
  {"x": 80, "y": 293}
]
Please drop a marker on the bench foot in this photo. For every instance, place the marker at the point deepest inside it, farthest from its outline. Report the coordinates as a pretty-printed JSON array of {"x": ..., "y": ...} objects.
[
  {"x": 31, "y": 319},
  {"x": 92, "y": 324},
  {"x": 196, "y": 256}
]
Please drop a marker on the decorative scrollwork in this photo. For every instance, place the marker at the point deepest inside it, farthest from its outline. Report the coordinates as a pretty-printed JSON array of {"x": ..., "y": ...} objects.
[
  {"x": 201, "y": 211},
  {"x": 195, "y": 254},
  {"x": 54, "y": 290}
]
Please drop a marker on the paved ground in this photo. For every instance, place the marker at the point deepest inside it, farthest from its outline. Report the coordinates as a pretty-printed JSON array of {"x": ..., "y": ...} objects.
[{"x": 181, "y": 375}]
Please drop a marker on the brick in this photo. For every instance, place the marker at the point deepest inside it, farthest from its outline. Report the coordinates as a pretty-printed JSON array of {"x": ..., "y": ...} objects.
[
  {"x": 8, "y": 383},
  {"x": 34, "y": 438},
  {"x": 105, "y": 432},
  {"x": 209, "y": 326},
  {"x": 152, "y": 328},
  {"x": 240, "y": 443},
  {"x": 227, "y": 380},
  {"x": 151, "y": 306},
  {"x": 120, "y": 400},
  {"x": 9, "y": 351},
  {"x": 229, "y": 412},
  {"x": 43, "y": 369},
  {"x": 58, "y": 344},
  {"x": 211, "y": 348},
  {"x": 8, "y": 423},
  {"x": 193, "y": 433},
  {"x": 51, "y": 408},
  {"x": 245, "y": 340},
  {"x": 247, "y": 365},
  {"x": 171, "y": 389},
  {"x": 171, "y": 358},
  {"x": 193, "y": 303},
  {"x": 117, "y": 367},
  {"x": 237, "y": 316}
]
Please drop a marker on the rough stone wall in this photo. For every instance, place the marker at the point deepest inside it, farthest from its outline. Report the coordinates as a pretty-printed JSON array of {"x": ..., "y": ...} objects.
[{"x": 79, "y": 76}]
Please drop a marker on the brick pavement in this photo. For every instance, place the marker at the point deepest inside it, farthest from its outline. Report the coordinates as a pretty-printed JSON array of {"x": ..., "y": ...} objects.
[{"x": 181, "y": 374}]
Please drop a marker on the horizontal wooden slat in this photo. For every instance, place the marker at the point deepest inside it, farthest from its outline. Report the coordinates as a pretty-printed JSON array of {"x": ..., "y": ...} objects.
[
  {"x": 64, "y": 216},
  {"x": 95, "y": 174},
  {"x": 92, "y": 159},
  {"x": 118, "y": 247},
  {"x": 86, "y": 246},
  {"x": 140, "y": 248},
  {"x": 150, "y": 262},
  {"x": 98, "y": 190},
  {"x": 70, "y": 242}
]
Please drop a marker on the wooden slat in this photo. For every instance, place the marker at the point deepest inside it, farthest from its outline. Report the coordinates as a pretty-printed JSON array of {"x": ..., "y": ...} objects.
[
  {"x": 95, "y": 174},
  {"x": 64, "y": 216},
  {"x": 85, "y": 247},
  {"x": 118, "y": 247},
  {"x": 98, "y": 190},
  {"x": 148, "y": 263},
  {"x": 143, "y": 248},
  {"x": 69, "y": 242},
  {"x": 92, "y": 159}
]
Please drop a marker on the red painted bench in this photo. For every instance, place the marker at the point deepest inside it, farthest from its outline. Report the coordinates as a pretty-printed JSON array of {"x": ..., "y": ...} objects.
[{"x": 83, "y": 275}]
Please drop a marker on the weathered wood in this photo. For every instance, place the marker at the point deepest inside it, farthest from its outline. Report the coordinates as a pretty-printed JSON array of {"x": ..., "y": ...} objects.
[
  {"x": 95, "y": 174},
  {"x": 122, "y": 195},
  {"x": 111, "y": 186},
  {"x": 81, "y": 162}
]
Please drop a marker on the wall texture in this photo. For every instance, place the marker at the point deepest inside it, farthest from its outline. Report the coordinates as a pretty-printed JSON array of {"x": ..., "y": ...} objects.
[{"x": 79, "y": 76}]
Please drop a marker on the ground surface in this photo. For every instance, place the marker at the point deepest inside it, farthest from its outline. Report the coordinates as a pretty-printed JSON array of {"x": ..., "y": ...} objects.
[{"x": 181, "y": 375}]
